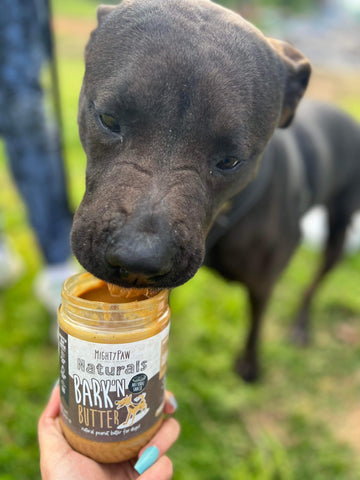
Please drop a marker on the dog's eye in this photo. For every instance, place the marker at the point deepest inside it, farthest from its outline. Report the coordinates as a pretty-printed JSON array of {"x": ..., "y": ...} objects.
[
  {"x": 110, "y": 122},
  {"x": 228, "y": 163}
]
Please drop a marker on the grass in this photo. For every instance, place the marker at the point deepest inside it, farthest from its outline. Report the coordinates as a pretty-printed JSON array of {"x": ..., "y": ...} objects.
[
  {"x": 288, "y": 425},
  {"x": 298, "y": 423}
]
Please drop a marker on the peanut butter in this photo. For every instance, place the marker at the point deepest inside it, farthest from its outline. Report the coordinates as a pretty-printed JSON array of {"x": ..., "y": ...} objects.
[{"x": 113, "y": 351}]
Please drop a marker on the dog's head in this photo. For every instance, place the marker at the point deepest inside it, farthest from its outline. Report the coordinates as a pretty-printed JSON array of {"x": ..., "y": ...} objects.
[{"x": 179, "y": 100}]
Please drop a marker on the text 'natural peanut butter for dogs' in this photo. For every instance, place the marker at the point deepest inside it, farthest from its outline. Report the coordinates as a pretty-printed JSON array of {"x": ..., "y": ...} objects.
[{"x": 113, "y": 352}]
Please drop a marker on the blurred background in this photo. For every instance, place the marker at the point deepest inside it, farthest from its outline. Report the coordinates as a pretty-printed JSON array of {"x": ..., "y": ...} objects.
[{"x": 302, "y": 421}]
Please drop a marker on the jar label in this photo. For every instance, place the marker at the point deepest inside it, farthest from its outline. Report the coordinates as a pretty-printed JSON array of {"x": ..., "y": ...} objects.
[{"x": 112, "y": 392}]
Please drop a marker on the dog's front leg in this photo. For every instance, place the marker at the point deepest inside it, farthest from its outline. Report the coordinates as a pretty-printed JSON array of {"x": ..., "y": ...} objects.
[{"x": 247, "y": 364}]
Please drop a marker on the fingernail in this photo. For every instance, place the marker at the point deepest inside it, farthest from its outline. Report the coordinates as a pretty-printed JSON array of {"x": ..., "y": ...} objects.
[
  {"x": 172, "y": 400},
  {"x": 148, "y": 458}
]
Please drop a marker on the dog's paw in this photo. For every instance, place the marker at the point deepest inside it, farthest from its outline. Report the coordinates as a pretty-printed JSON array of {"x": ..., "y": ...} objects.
[{"x": 247, "y": 369}]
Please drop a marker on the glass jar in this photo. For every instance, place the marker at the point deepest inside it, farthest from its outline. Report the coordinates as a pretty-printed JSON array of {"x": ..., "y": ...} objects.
[{"x": 113, "y": 354}]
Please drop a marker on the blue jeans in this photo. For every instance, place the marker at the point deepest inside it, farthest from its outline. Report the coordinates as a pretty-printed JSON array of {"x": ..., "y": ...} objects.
[{"x": 31, "y": 139}]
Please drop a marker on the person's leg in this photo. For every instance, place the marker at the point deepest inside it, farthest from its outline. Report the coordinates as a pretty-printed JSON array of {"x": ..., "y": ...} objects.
[
  {"x": 36, "y": 166},
  {"x": 32, "y": 144}
]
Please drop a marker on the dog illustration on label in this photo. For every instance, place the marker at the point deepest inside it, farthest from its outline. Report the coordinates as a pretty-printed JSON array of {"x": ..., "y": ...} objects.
[{"x": 136, "y": 409}]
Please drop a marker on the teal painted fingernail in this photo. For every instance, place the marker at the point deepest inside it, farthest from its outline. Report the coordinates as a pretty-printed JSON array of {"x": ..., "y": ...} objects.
[{"x": 148, "y": 458}]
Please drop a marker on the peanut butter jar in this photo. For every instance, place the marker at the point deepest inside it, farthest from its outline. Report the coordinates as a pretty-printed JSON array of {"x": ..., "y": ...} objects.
[{"x": 113, "y": 353}]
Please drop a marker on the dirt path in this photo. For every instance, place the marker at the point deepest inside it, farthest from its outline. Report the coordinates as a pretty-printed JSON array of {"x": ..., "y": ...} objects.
[
  {"x": 72, "y": 35},
  {"x": 334, "y": 85},
  {"x": 74, "y": 27}
]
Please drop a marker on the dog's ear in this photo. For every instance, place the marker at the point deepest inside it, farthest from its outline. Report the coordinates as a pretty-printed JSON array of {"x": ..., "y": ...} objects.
[
  {"x": 298, "y": 72},
  {"x": 102, "y": 11}
]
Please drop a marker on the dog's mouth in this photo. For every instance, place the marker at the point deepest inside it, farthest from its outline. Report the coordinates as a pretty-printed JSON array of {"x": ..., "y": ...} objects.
[
  {"x": 139, "y": 263},
  {"x": 173, "y": 273},
  {"x": 179, "y": 274},
  {"x": 123, "y": 278},
  {"x": 160, "y": 258}
]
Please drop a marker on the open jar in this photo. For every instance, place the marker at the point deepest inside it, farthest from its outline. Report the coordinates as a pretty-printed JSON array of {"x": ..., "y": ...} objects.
[{"x": 113, "y": 353}]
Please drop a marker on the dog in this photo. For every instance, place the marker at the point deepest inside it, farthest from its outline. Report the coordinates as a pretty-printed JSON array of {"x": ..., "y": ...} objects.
[{"x": 195, "y": 155}]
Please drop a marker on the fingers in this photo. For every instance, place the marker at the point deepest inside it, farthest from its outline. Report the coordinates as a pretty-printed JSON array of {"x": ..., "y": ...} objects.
[
  {"x": 47, "y": 420},
  {"x": 163, "y": 469},
  {"x": 52, "y": 409},
  {"x": 169, "y": 430},
  {"x": 48, "y": 425},
  {"x": 51, "y": 441},
  {"x": 151, "y": 459},
  {"x": 170, "y": 403},
  {"x": 152, "y": 463},
  {"x": 165, "y": 437}
]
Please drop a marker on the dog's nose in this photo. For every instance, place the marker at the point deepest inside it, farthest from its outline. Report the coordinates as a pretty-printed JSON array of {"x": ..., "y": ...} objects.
[{"x": 144, "y": 258}]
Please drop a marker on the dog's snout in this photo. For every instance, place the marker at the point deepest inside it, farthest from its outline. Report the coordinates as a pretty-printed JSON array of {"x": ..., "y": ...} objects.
[
  {"x": 141, "y": 256},
  {"x": 146, "y": 262}
]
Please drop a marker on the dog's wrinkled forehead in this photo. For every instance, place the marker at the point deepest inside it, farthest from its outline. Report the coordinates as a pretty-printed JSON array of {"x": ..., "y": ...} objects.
[{"x": 165, "y": 56}]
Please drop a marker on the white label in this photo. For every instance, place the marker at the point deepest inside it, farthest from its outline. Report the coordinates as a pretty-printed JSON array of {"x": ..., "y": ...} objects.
[{"x": 112, "y": 391}]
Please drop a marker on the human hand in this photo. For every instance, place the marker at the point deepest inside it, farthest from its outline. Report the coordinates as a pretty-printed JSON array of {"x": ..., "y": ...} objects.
[{"x": 58, "y": 460}]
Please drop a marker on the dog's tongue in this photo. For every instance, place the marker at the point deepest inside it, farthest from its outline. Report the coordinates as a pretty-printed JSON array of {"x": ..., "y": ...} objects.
[{"x": 129, "y": 293}]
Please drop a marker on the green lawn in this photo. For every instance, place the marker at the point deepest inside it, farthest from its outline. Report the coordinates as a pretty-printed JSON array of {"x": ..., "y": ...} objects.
[{"x": 299, "y": 423}]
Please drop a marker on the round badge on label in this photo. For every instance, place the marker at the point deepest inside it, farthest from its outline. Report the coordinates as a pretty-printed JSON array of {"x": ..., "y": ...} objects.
[{"x": 138, "y": 383}]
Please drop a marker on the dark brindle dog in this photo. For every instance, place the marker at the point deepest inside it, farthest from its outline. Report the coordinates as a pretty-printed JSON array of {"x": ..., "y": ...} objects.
[{"x": 178, "y": 116}]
